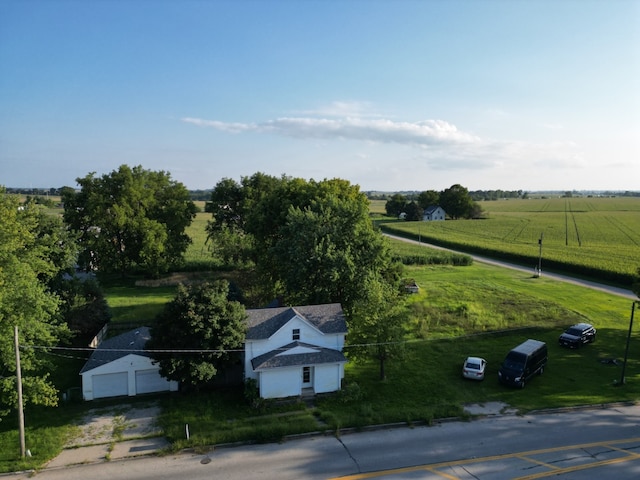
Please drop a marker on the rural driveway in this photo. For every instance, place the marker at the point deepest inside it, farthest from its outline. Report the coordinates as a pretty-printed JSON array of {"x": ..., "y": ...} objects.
[
  {"x": 622, "y": 292},
  {"x": 114, "y": 432}
]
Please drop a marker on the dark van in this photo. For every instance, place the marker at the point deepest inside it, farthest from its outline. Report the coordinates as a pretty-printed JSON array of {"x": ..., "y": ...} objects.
[{"x": 523, "y": 362}]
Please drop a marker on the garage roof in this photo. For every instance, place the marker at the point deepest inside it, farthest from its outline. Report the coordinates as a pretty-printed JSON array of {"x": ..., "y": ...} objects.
[{"x": 118, "y": 347}]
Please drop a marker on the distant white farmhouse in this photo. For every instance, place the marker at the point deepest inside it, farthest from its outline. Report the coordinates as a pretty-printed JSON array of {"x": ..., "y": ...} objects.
[
  {"x": 291, "y": 351},
  {"x": 119, "y": 366},
  {"x": 433, "y": 213}
]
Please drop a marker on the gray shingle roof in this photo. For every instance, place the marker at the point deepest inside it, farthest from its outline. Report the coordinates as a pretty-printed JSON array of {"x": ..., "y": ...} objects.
[
  {"x": 274, "y": 359},
  {"x": 118, "y": 347},
  {"x": 264, "y": 322},
  {"x": 431, "y": 209}
]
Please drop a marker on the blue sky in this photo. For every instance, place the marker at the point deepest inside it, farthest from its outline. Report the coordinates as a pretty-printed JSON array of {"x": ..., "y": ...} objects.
[{"x": 390, "y": 95}]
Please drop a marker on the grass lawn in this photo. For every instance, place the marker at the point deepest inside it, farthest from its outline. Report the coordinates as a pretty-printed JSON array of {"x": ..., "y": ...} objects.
[{"x": 426, "y": 384}]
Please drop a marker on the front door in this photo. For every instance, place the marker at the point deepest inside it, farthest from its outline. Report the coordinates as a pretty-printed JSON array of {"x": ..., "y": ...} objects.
[{"x": 307, "y": 377}]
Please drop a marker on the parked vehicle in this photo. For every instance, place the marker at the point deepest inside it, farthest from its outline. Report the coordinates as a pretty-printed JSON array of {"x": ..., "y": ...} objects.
[
  {"x": 473, "y": 368},
  {"x": 577, "y": 335},
  {"x": 523, "y": 362}
]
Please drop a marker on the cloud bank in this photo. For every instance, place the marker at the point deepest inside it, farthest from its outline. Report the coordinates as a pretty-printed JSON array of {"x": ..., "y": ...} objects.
[
  {"x": 439, "y": 146},
  {"x": 423, "y": 134}
]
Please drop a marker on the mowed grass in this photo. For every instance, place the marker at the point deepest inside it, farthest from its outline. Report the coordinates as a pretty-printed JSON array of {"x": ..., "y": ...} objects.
[{"x": 592, "y": 236}]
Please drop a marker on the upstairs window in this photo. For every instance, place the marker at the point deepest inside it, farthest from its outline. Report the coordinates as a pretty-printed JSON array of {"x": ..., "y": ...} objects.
[{"x": 296, "y": 334}]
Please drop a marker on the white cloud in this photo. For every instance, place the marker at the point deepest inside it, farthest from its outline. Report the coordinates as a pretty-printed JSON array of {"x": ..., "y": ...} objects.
[
  {"x": 425, "y": 134},
  {"x": 431, "y": 152}
]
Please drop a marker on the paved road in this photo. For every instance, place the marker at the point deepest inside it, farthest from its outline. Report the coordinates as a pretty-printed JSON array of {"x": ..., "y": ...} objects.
[
  {"x": 564, "y": 278},
  {"x": 580, "y": 444}
]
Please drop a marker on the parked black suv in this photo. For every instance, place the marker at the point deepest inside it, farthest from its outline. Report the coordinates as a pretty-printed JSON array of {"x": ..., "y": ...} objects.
[{"x": 577, "y": 335}]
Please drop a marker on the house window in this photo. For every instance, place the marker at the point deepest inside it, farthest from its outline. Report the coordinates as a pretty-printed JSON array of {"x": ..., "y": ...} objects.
[
  {"x": 296, "y": 334},
  {"x": 306, "y": 374}
]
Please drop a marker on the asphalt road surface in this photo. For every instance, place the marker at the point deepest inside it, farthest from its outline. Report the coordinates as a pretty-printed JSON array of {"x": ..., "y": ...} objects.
[{"x": 597, "y": 443}]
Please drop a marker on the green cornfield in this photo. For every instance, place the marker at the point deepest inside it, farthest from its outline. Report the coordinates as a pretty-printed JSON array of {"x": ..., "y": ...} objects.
[{"x": 593, "y": 236}]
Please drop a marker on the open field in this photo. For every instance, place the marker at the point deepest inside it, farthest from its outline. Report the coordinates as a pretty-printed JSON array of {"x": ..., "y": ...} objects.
[{"x": 597, "y": 237}]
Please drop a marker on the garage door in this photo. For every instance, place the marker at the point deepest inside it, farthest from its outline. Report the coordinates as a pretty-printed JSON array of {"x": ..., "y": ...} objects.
[
  {"x": 110, "y": 385},
  {"x": 148, "y": 381}
]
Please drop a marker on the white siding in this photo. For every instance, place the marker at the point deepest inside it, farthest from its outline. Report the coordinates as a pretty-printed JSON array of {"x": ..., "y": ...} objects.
[
  {"x": 110, "y": 385},
  {"x": 149, "y": 381},
  {"x": 328, "y": 378},
  {"x": 99, "y": 382},
  {"x": 281, "y": 382},
  {"x": 308, "y": 334}
]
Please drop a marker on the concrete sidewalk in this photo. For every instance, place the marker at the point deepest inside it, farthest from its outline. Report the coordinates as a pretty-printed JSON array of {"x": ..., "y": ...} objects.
[{"x": 108, "y": 451}]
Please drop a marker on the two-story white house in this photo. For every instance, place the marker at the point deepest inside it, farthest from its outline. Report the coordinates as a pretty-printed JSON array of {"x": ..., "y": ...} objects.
[
  {"x": 433, "y": 213},
  {"x": 291, "y": 351}
]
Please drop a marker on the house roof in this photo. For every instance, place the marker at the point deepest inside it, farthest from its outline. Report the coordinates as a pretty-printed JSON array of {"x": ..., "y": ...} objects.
[
  {"x": 264, "y": 322},
  {"x": 297, "y": 354},
  {"x": 431, "y": 209},
  {"x": 118, "y": 347}
]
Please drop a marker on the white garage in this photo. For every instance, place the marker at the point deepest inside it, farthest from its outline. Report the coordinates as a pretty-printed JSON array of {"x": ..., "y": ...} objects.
[
  {"x": 110, "y": 385},
  {"x": 121, "y": 367},
  {"x": 149, "y": 381}
]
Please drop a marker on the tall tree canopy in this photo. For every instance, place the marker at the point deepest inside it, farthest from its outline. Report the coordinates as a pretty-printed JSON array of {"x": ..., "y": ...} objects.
[
  {"x": 395, "y": 205},
  {"x": 377, "y": 325},
  {"x": 428, "y": 198},
  {"x": 457, "y": 202},
  {"x": 33, "y": 250},
  {"x": 200, "y": 317},
  {"x": 312, "y": 241},
  {"x": 130, "y": 219},
  {"x": 327, "y": 248},
  {"x": 413, "y": 212}
]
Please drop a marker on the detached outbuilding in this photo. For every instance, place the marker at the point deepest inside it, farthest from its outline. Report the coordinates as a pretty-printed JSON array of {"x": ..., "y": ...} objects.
[{"x": 120, "y": 367}]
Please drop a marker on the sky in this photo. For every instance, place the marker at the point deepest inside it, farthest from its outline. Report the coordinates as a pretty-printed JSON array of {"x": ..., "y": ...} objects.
[{"x": 391, "y": 95}]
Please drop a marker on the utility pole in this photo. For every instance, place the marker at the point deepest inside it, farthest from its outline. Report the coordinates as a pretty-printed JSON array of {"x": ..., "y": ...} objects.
[
  {"x": 626, "y": 352},
  {"x": 539, "y": 269},
  {"x": 23, "y": 449}
]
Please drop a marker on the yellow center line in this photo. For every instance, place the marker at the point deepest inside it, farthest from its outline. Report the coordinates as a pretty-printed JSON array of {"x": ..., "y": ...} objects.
[
  {"x": 522, "y": 455},
  {"x": 442, "y": 474},
  {"x": 617, "y": 449},
  {"x": 533, "y": 460},
  {"x": 584, "y": 466}
]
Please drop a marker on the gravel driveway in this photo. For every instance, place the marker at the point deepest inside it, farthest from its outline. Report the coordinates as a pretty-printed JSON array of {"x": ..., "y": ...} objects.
[{"x": 116, "y": 423}]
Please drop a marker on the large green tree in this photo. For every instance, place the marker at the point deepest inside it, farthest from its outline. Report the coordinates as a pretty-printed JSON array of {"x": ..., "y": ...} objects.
[
  {"x": 377, "y": 325},
  {"x": 395, "y": 205},
  {"x": 131, "y": 219},
  {"x": 428, "y": 198},
  {"x": 457, "y": 202},
  {"x": 327, "y": 247},
  {"x": 33, "y": 250},
  {"x": 204, "y": 321},
  {"x": 413, "y": 212}
]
